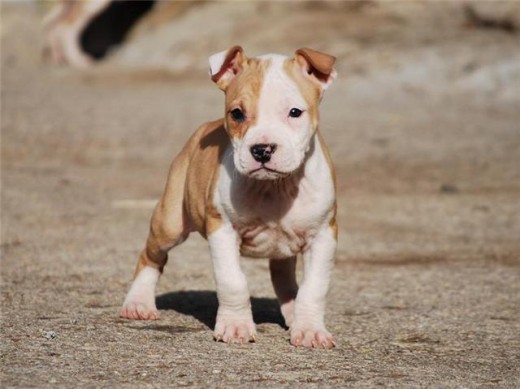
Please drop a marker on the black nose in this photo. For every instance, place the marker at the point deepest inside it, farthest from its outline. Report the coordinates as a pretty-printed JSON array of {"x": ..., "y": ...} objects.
[{"x": 262, "y": 152}]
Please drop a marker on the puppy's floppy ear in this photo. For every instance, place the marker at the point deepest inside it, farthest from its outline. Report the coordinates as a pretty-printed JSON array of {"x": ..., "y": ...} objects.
[
  {"x": 318, "y": 66},
  {"x": 225, "y": 65}
]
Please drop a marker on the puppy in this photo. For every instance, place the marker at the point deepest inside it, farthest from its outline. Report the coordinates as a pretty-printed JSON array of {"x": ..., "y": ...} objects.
[{"x": 258, "y": 183}]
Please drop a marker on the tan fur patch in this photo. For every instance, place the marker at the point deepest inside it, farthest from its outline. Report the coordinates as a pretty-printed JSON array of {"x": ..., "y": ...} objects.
[
  {"x": 187, "y": 202},
  {"x": 328, "y": 158},
  {"x": 209, "y": 144},
  {"x": 310, "y": 91},
  {"x": 244, "y": 93}
]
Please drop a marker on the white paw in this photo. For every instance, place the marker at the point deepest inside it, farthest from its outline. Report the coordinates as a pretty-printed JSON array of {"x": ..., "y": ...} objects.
[
  {"x": 139, "y": 311},
  {"x": 140, "y": 300},
  {"x": 235, "y": 329},
  {"x": 311, "y": 336}
]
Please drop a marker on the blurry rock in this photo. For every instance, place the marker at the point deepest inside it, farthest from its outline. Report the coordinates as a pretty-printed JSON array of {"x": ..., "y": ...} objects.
[
  {"x": 504, "y": 16},
  {"x": 448, "y": 189}
]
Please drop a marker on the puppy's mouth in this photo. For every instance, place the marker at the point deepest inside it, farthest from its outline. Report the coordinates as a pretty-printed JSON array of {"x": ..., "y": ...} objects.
[{"x": 266, "y": 173}]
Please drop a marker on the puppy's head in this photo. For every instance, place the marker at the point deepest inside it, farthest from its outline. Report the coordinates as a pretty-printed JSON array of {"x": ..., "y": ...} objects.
[{"x": 271, "y": 107}]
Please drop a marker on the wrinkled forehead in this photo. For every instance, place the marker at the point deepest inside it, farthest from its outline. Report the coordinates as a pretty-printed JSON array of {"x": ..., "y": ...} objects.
[
  {"x": 274, "y": 77},
  {"x": 280, "y": 86}
]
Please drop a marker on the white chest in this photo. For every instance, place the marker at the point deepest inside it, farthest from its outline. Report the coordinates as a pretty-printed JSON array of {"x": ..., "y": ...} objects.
[
  {"x": 277, "y": 228},
  {"x": 277, "y": 219}
]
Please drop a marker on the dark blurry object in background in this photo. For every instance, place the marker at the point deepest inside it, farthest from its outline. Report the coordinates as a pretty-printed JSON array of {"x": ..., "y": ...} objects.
[
  {"x": 79, "y": 32},
  {"x": 109, "y": 28},
  {"x": 479, "y": 20}
]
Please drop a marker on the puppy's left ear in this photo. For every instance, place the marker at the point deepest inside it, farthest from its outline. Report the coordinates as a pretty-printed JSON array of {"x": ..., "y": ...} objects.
[
  {"x": 225, "y": 65},
  {"x": 319, "y": 67}
]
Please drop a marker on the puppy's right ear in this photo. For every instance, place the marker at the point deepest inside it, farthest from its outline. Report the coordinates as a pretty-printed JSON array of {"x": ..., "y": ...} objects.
[{"x": 225, "y": 65}]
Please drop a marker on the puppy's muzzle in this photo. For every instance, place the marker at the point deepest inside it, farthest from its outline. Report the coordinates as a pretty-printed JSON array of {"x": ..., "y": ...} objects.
[{"x": 262, "y": 152}]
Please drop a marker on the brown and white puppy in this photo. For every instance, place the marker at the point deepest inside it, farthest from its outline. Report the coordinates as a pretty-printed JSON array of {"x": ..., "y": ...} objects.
[{"x": 259, "y": 183}]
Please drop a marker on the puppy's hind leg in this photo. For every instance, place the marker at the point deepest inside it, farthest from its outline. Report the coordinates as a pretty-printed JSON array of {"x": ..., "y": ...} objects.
[
  {"x": 169, "y": 228},
  {"x": 283, "y": 277}
]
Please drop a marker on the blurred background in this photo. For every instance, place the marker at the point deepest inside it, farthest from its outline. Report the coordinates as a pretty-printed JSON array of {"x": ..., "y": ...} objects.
[
  {"x": 423, "y": 124},
  {"x": 426, "y": 100},
  {"x": 455, "y": 46}
]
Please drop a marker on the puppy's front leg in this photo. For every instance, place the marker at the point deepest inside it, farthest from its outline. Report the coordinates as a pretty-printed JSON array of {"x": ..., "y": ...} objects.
[
  {"x": 234, "y": 316},
  {"x": 308, "y": 328}
]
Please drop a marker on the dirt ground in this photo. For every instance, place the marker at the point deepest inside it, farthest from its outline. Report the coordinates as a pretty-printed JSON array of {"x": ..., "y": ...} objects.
[{"x": 424, "y": 127}]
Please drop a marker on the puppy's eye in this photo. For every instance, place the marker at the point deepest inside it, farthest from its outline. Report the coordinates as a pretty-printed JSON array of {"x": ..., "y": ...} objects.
[
  {"x": 295, "y": 113},
  {"x": 238, "y": 115}
]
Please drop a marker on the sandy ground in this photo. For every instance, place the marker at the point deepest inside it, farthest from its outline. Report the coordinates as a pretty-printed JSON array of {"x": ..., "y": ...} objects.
[{"x": 425, "y": 135}]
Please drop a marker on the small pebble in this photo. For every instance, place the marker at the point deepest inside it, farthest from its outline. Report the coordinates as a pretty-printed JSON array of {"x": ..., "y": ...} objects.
[
  {"x": 49, "y": 335},
  {"x": 448, "y": 188}
]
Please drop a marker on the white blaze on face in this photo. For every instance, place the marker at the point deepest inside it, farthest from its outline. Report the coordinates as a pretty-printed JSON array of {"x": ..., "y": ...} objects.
[{"x": 291, "y": 135}]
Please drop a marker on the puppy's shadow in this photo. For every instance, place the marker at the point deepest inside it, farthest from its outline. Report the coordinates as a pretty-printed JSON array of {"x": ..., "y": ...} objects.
[{"x": 203, "y": 304}]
